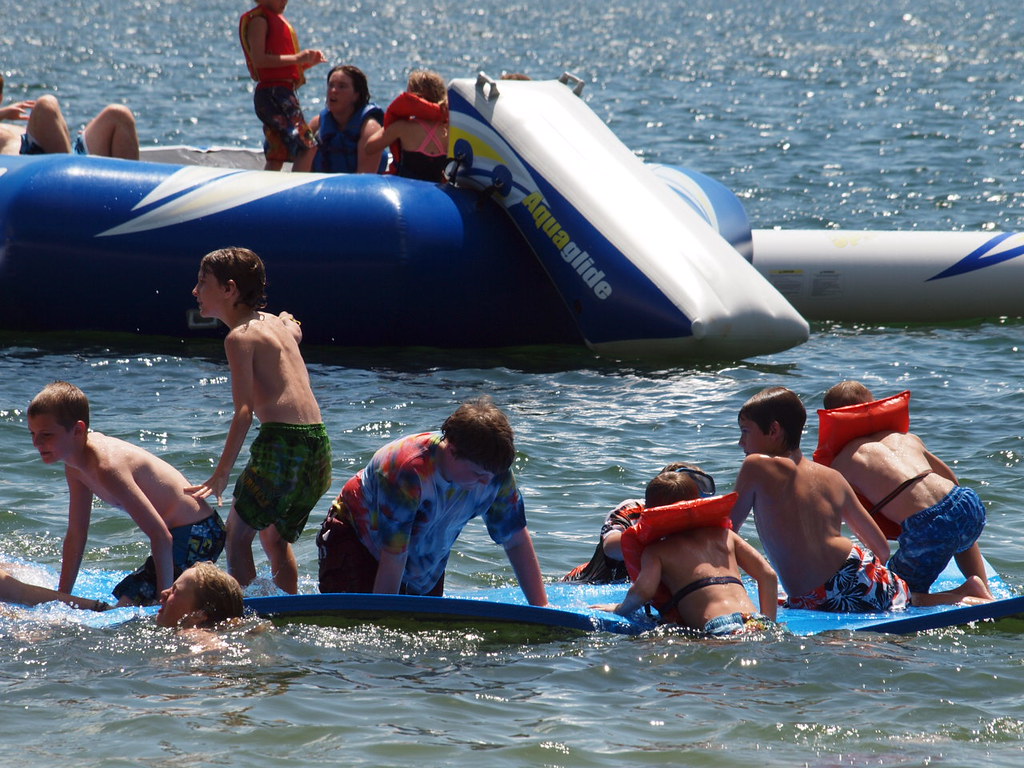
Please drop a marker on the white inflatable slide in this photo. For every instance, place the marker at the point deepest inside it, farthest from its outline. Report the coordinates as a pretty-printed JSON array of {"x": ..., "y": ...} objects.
[{"x": 641, "y": 272}]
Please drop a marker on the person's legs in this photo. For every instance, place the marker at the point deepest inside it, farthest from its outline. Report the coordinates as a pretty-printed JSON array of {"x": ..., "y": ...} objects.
[
  {"x": 283, "y": 567},
  {"x": 112, "y": 133},
  {"x": 47, "y": 126},
  {"x": 239, "y": 549},
  {"x": 971, "y": 563}
]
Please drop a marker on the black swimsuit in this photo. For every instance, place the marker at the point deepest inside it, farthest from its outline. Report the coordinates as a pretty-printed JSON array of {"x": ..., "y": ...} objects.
[
  {"x": 900, "y": 488},
  {"x": 693, "y": 586}
]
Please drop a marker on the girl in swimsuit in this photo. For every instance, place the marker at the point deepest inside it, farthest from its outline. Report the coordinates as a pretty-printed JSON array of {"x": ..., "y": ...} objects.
[{"x": 416, "y": 129}]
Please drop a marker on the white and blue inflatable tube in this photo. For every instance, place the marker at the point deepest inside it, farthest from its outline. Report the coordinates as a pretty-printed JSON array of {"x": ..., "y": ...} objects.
[{"x": 637, "y": 266}]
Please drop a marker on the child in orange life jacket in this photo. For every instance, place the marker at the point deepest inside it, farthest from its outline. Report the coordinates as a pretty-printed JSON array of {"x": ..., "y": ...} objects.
[
  {"x": 277, "y": 65},
  {"x": 416, "y": 128},
  {"x": 701, "y": 569},
  {"x": 606, "y": 565},
  {"x": 910, "y": 486}
]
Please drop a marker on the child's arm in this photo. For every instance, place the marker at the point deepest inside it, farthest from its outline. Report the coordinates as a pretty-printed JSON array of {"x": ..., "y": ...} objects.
[
  {"x": 18, "y": 111},
  {"x": 745, "y": 485},
  {"x": 384, "y": 137},
  {"x": 79, "y": 513},
  {"x": 760, "y": 570},
  {"x": 390, "y": 571},
  {"x": 863, "y": 527},
  {"x": 240, "y": 363},
  {"x": 520, "y": 553},
  {"x": 643, "y": 589}
]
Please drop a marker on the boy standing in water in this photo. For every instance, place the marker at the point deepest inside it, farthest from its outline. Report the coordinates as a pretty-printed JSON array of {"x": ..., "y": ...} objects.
[
  {"x": 277, "y": 65},
  {"x": 914, "y": 488},
  {"x": 289, "y": 467},
  {"x": 181, "y": 529},
  {"x": 800, "y": 508}
]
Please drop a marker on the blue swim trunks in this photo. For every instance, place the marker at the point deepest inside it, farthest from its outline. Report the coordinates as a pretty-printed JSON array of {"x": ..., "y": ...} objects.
[
  {"x": 192, "y": 544},
  {"x": 30, "y": 147},
  {"x": 737, "y": 624},
  {"x": 932, "y": 536}
]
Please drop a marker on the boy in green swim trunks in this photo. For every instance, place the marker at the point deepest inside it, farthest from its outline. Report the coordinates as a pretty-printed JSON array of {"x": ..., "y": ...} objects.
[{"x": 289, "y": 467}]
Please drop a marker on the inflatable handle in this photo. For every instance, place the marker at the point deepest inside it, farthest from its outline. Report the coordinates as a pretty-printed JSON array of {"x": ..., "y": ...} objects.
[
  {"x": 487, "y": 86},
  {"x": 567, "y": 77}
]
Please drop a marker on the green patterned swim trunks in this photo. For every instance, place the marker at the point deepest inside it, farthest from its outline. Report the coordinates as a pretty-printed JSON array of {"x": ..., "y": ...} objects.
[{"x": 289, "y": 470}]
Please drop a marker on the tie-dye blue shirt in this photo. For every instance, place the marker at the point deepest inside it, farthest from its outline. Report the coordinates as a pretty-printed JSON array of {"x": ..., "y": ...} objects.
[{"x": 400, "y": 503}]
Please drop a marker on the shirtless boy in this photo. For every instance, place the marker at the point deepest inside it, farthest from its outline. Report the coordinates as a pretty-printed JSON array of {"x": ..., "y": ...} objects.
[
  {"x": 181, "y": 529},
  {"x": 289, "y": 467},
  {"x": 701, "y": 568},
  {"x": 800, "y": 507},
  {"x": 911, "y": 486}
]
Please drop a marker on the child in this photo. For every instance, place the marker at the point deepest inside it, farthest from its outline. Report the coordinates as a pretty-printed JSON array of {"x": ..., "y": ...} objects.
[
  {"x": 290, "y": 461},
  {"x": 277, "y": 65},
  {"x": 800, "y": 510},
  {"x": 417, "y": 118},
  {"x": 912, "y": 487},
  {"x": 606, "y": 565},
  {"x": 181, "y": 529},
  {"x": 202, "y": 596},
  {"x": 701, "y": 569},
  {"x": 110, "y": 134},
  {"x": 393, "y": 525}
]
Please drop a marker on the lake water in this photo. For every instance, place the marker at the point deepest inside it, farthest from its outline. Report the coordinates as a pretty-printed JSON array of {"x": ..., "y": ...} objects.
[{"x": 876, "y": 116}]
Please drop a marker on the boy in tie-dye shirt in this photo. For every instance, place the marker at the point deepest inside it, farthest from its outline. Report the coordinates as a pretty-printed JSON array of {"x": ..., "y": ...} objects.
[{"x": 393, "y": 525}]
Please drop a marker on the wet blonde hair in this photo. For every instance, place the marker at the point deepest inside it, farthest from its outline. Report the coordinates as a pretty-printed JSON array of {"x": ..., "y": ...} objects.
[{"x": 218, "y": 594}]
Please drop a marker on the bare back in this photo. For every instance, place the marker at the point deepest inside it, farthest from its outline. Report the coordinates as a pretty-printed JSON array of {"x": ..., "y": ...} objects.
[
  {"x": 131, "y": 478},
  {"x": 697, "y": 554},
  {"x": 267, "y": 366},
  {"x": 799, "y": 508},
  {"x": 878, "y": 464}
]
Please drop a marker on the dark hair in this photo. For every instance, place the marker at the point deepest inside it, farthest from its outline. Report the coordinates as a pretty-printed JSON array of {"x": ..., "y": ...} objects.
[
  {"x": 65, "y": 402},
  {"x": 847, "y": 393},
  {"x": 670, "y": 487},
  {"x": 359, "y": 82},
  {"x": 479, "y": 432},
  {"x": 245, "y": 268},
  {"x": 705, "y": 482},
  {"x": 781, "y": 405}
]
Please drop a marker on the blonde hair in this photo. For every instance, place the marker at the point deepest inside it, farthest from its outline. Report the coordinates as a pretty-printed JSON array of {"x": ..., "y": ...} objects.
[
  {"x": 429, "y": 85},
  {"x": 218, "y": 594}
]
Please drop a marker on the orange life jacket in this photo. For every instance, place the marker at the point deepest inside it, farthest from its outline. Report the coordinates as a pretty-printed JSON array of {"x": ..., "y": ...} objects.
[
  {"x": 408, "y": 105},
  {"x": 658, "y": 522},
  {"x": 281, "y": 39},
  {"x": 838, "y": 426}
]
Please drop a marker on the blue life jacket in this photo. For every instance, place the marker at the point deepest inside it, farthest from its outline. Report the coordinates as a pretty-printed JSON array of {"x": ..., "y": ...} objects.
[{"x": 338, "y": 150}]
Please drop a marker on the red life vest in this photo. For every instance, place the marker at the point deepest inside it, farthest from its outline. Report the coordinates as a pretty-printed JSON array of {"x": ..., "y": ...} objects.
[
  {"x": 658, "y": 522},
  {"x": 281, "y": 39},
  {"x": 838, "y": 426},
  {"x": 408, "y": 105}
]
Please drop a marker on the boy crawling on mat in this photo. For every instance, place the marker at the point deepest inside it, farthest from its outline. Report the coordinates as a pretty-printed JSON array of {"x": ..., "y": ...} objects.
[
  {"x": 701, "y": 569},
  {"x": 181, "y": 529},
  {"x": 799, "y": 509}
]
